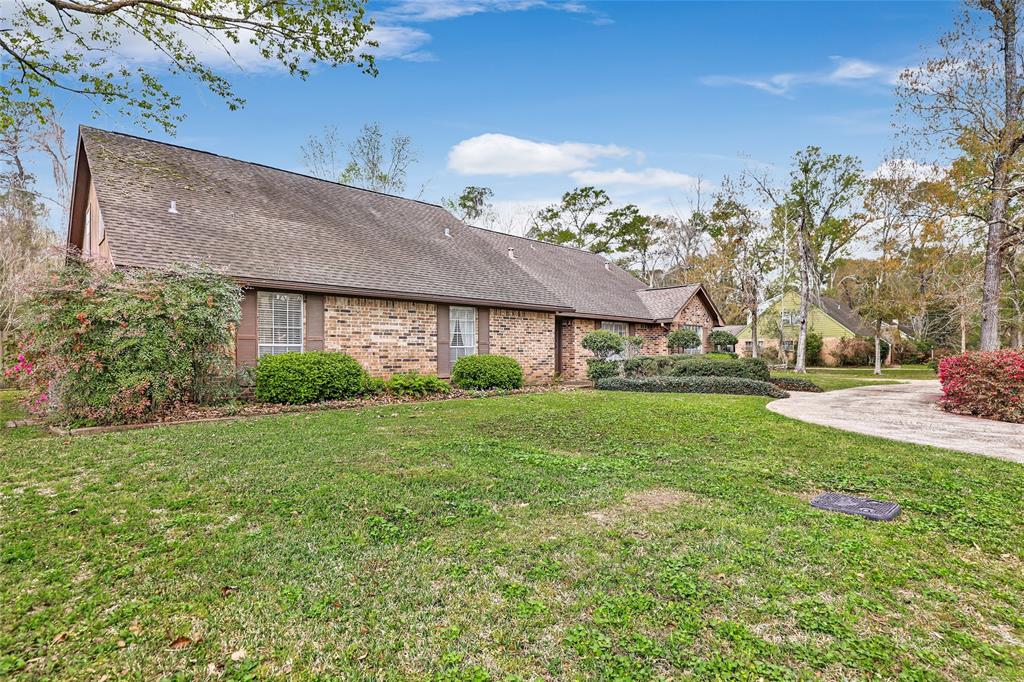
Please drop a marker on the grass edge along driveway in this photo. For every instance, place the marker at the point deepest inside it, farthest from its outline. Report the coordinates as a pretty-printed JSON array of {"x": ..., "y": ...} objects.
[{"x": 562, "y": 535}]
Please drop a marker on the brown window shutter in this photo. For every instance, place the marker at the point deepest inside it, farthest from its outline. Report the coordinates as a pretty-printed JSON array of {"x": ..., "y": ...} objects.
[
  {"x": 246, "y": 336},
  {"x": 632, "y": 329},
  {"x": 483, "y": 331},
  {"x": 443, "y": 339},
  {"x": 314, "y": 322}
]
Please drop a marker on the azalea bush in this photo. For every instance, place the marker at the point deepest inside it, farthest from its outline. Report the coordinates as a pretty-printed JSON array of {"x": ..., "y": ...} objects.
[
  {"x": 107, "y": 347},
  {"x": 987, "y": 385}
]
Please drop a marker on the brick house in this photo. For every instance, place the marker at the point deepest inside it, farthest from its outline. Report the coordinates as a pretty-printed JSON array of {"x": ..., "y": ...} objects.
[{"x": 399, "y": 284}]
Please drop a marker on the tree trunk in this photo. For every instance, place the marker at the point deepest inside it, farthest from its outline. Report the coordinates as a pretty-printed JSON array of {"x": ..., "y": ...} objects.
[
  {"x": 990, "y": 294},
  {"x": 878, "y": 349},
  {"x": 805, "y": 301},
  {"x": 963, "y": 333},
  {"x": 753, "y": 333}
]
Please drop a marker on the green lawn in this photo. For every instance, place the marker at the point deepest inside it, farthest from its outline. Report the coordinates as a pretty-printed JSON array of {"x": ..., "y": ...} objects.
[
  {"x": 905, "y": 372},
  {"x": 551, "y": 536},
  {"x": 833, "y": 381}
]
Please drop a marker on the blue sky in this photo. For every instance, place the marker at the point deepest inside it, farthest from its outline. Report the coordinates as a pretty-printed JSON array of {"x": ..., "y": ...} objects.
[{"x": 533, "y": 98}]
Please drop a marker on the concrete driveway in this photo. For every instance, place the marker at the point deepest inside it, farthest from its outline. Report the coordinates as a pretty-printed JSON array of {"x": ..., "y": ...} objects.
[{"x": 907, "y": 412}]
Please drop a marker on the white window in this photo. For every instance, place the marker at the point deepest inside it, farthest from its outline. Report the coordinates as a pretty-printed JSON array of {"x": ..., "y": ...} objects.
[
  {"x": 87, "y": 234},
  {"x": 790, "y": 317},
  {"x": 620, "y": 328},
  {"x": 462, "y": 342},
  {"x": 280, "y": 322}
]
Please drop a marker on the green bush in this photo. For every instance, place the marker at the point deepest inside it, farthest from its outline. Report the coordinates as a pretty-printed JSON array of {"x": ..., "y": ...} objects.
[
  {"x": 603, "y": 344},
  {"x": 484, "y": 372},
  {"x": 796, "y": 384},
  {"x": 812, "y": 349},
  {"x": 721, "y": 355},
  {"x": 692, "y": 384},
  {"x": 683, "y": 339},
  {"x": 310, "y": 377},
  {"x": 113, "y": 347},
  {"x": 696, "y": 365},
  {"x": 719, "y": 338},
  {"x": 601, "y": 369},
  {"x": 416, "y": 385}
]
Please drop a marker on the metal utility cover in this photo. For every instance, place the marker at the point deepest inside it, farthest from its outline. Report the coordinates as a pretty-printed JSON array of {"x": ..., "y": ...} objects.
[{"x": 876, "y": 510}]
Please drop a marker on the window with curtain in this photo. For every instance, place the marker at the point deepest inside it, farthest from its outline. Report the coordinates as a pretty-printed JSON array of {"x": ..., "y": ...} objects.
[
  {"x": 279, "y": 317},
  {"x": 462, "y": 322},
  {"x": 620, "y": 328}
]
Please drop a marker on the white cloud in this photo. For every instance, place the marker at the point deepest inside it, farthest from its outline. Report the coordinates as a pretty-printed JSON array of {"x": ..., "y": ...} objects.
[
  {"x": 645, "y": 178},
  {"x": 901, "y": 168},
  {"x": 439, "y": 10},
  {"x": 498, "y": 154},
  {"x": 400, "y": 42},
  {"x": 846, "y": 71}
]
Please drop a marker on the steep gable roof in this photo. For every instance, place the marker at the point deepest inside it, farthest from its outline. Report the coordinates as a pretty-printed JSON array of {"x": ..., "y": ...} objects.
[{"x": 265, "y": 225}]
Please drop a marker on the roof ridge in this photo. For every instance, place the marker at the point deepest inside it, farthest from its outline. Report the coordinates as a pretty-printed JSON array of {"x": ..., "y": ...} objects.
[
  {"x": 534, "y": 240},
  {"x": 82, "y": 126}
]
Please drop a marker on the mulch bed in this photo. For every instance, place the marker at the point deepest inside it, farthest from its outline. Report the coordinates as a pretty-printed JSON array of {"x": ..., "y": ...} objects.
[{"x": 194, "y": 414}]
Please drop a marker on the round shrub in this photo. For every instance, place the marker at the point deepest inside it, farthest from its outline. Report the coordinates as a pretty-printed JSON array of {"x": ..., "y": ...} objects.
[
  {"x": 311, "y": 377},
  {"x": 484, "y": 372},
  {"x": 683, "y": 339},
  {"x": 601, "y": 369},
  {"x": 603, "y": 344},
  {"x": 722, "y": 338},
  {"x": 989, "y": 384}
]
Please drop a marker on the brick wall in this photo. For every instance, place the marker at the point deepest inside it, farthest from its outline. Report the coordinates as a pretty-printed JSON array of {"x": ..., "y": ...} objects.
[
  {"x": 655, "y": 338},
  {"x": 696, "y": 313},
  {"x": 386, "y": 337},
  {"x": 527, "y": 336},
  {"x": 574, "y": 357}
]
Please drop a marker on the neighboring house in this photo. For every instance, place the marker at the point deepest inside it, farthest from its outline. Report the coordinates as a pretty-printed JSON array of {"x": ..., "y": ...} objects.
[
  {"x": 401, "y": 285},
  {"x": 832, "y": 319}
]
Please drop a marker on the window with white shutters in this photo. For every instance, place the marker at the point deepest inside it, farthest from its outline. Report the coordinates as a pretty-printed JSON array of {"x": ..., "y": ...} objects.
[
  {"x": 280, "y": 323},
  {"x": 462, "y": 322}
]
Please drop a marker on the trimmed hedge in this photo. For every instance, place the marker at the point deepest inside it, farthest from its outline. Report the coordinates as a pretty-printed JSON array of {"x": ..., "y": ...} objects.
[
  {"x": 795, "y": 384},
  {"x": 696, "y": 365},
  {"x": 601, "y": 369},
  {"x": 310, "y": 377},
  {"x": 989, "y": 385},
  {"x": 692, "y": 384},
  {"x": 483, "y": 372}
]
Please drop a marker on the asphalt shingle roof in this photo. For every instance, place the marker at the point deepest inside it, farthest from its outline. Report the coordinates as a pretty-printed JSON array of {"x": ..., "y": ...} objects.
[{"x": 265, "y": 225}]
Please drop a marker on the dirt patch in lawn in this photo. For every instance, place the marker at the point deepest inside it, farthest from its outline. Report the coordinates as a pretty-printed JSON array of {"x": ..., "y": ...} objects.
[{"x": 643, "y": 502}]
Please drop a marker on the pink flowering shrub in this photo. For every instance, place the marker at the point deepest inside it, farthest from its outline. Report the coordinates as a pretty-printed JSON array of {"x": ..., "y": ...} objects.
[
  {"x": 108, "y": 347},
  {"x": 988, "y": 385}
]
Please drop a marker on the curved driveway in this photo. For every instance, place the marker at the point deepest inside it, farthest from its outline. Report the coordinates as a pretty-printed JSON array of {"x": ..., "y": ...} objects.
[{"x": 907, "y": 412}]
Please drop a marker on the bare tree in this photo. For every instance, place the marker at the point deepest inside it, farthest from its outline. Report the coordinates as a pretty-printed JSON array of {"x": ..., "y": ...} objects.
[
  {"x": 368, "y": 161},
  {"x": 971, "y": 97}
]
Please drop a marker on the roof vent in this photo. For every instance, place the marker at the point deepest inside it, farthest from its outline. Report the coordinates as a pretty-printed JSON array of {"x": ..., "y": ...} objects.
[
  {"x": 511, "y": 252},
  {"x": 607, "y": 266},
  {"x": 447, "y": 232},
  {"x": 173, "y": 208}
]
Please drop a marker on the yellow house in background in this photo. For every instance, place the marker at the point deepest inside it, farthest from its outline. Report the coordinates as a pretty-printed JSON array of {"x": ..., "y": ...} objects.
[{"x": 830, "y": 318}]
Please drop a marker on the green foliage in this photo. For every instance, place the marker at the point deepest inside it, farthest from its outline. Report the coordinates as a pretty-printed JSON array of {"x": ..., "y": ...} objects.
[
  {"x": 721, "y": 356},
  {"x": 719, "y": 338},
  {"x": 812, "y": 349},
  {"x": 683, "y": 339},
  {"x": 474, "y": 203},
  {"x": 573, "y": 222},
  {"x": 485, "y": 372},
  {"x": 603, "y": 344},
  {"x": 746, "y": 368},
  {"x": 310, "y": 377},
  {"x": 858, "y": 351},
  {"x": 80, "y": 49},
  {"x": 601, "y": 369},
  {"x": 796, "y": 384},
  {"x": 696, "y": 365},
  {"x": 106, "y": 347},
  {"x": 416, "y": 385},
  {"x": 692, "y": 384}
]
